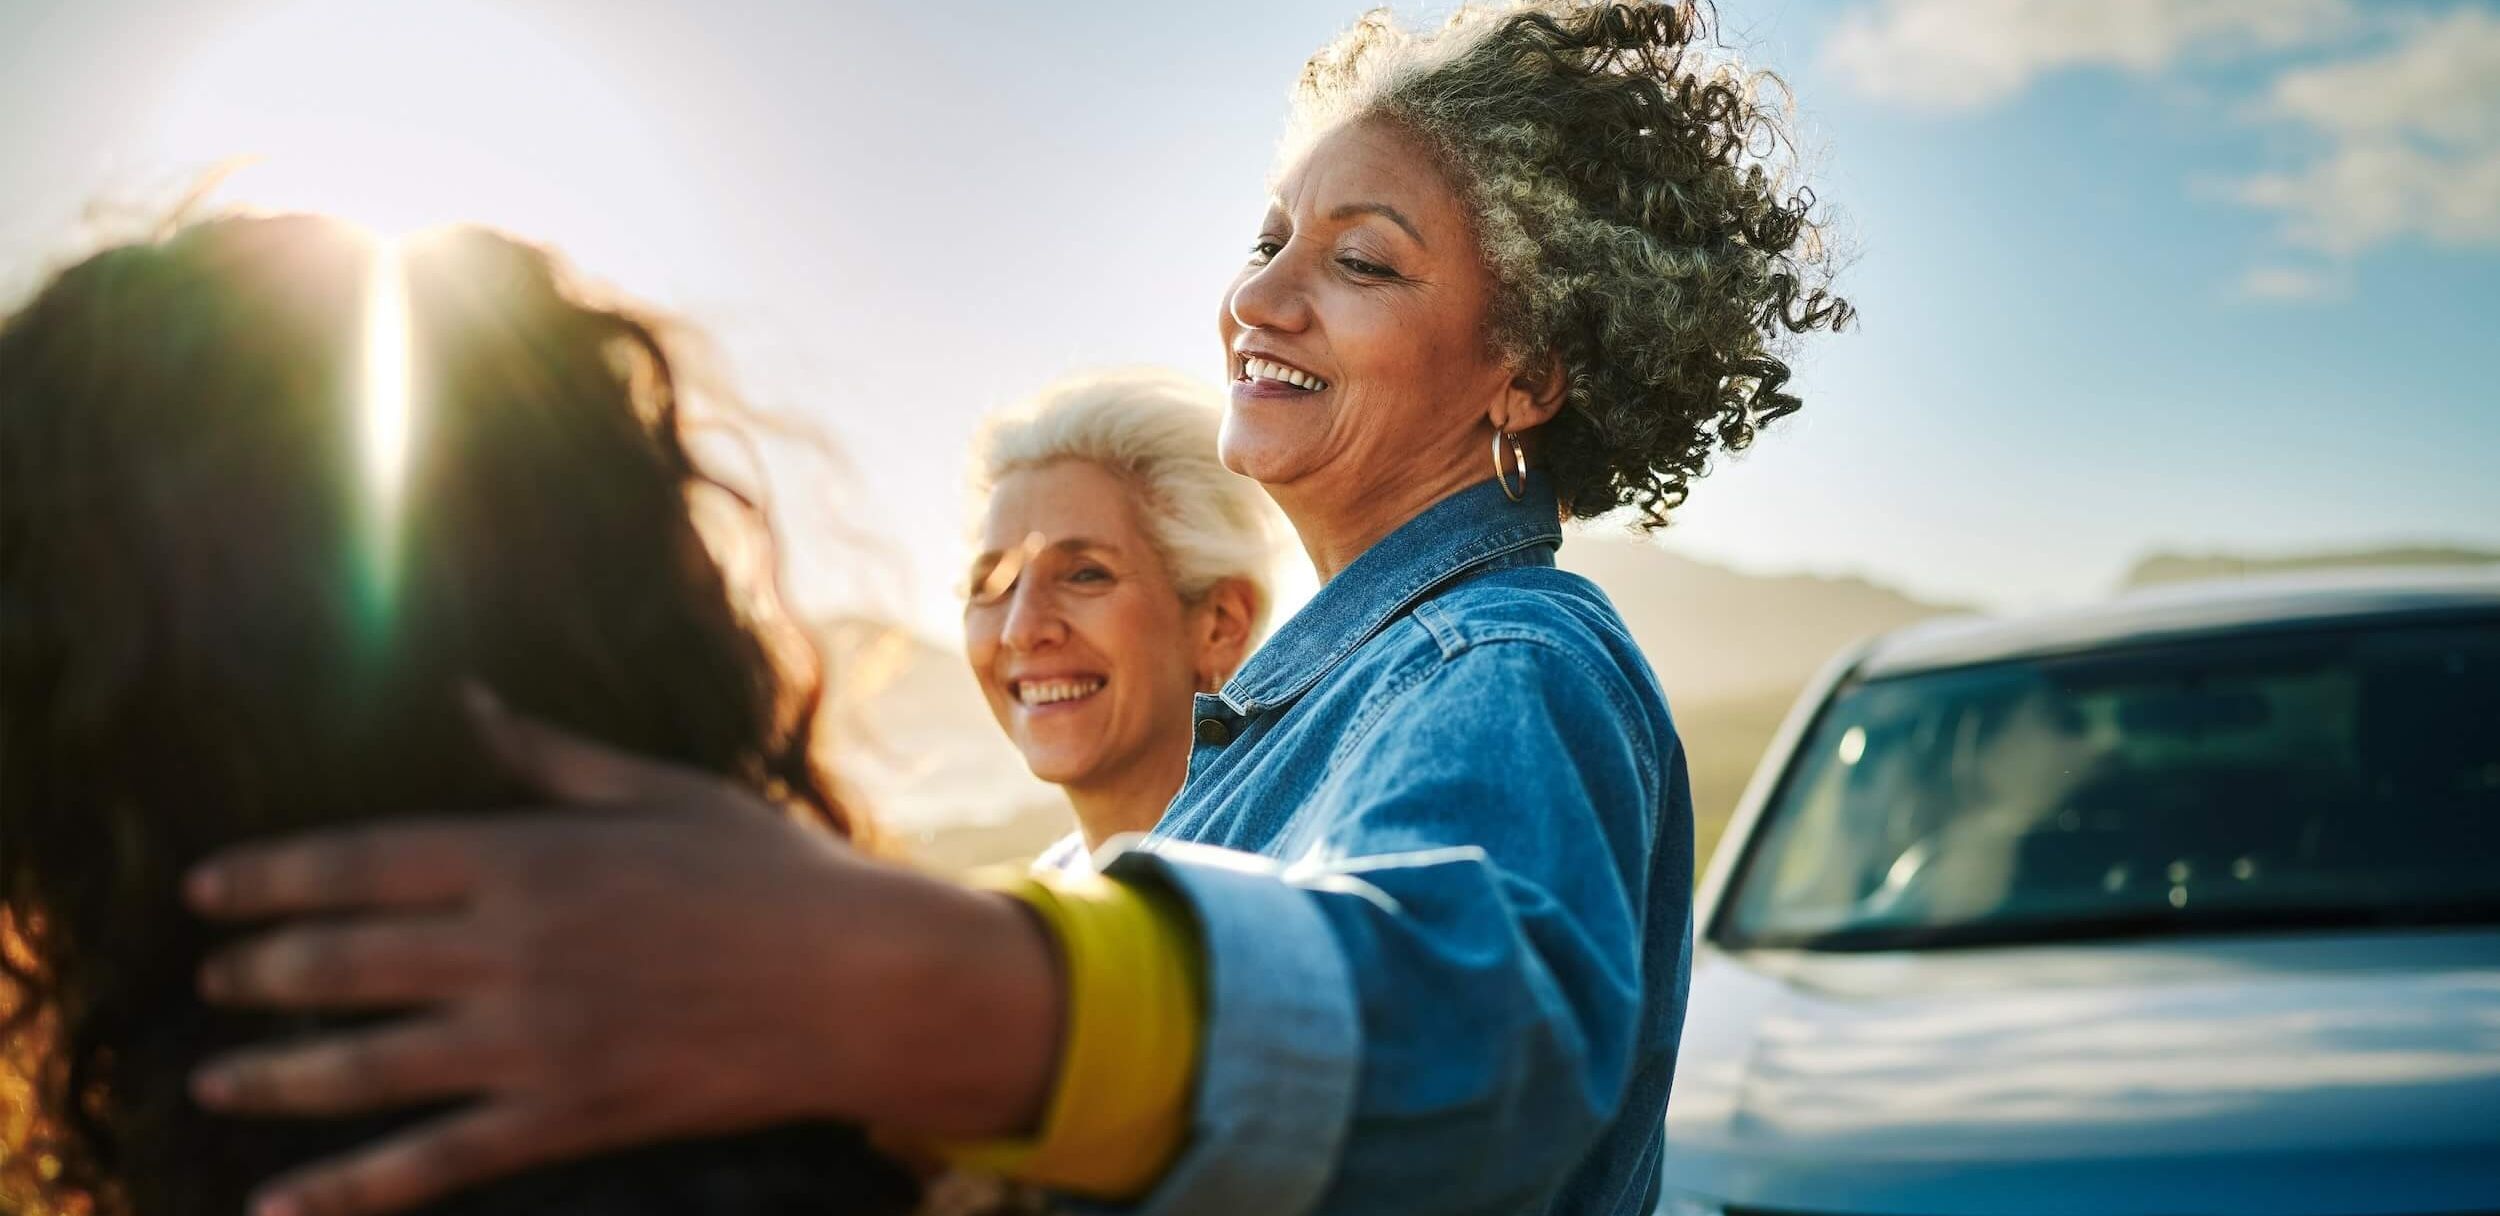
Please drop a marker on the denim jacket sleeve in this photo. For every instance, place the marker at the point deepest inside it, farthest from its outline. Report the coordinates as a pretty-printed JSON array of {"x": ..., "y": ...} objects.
[{"x": 1436, "y": 1008}]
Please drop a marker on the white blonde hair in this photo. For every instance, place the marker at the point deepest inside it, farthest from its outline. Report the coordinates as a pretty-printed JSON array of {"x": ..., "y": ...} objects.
[{"x": 1156, "y": 431}]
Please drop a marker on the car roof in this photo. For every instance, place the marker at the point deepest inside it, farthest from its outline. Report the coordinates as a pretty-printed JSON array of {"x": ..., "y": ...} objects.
[{"x": 2187, "y": 610}]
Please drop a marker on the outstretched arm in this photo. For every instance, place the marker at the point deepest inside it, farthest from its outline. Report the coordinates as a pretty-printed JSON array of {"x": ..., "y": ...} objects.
[{"x": 675, "y": 960}]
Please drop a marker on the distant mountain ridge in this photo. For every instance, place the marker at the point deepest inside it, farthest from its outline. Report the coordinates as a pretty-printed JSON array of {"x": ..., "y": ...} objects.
[
  {"x": 2159, "y": 568},
  {"x": 1717, "y": 634}
]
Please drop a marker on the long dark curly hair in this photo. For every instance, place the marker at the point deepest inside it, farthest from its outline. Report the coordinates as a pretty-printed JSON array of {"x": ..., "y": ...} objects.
[
  {"x": 1630, "y": 198},
  {"x": 223, "y": 615}
]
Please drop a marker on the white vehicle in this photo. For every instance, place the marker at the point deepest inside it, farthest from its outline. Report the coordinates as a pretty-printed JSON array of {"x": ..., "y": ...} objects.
[{"x": 2185, "y": 904}]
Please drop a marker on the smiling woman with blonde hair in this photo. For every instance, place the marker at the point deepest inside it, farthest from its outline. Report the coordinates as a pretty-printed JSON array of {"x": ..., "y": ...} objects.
[{"x": 1121, "y": 568}]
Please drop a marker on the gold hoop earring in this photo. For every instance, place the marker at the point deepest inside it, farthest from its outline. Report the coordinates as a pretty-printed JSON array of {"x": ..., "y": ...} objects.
[{"x": 1518, "y": 458}]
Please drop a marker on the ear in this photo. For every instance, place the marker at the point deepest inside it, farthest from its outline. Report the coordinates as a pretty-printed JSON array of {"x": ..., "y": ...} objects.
[
  {"x": 1533, "y": 396},
  {"x": 1222, "y": 630}
]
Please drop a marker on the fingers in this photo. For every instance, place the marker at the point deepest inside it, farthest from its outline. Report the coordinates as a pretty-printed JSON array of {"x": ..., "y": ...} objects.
[
  {"x": 569, "y": 768},
  {"x": 400, "y": 866},
  {"x": 368, "y": 965},
  {"x": 424, "y": 1163},
  {"x": 397, "y": 1065}
]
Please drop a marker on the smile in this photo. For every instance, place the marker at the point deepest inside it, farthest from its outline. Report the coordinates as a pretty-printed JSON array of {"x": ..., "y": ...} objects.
[
  {"x": 1053, "y": 692},
  {"x": 1254, "y": 369}
]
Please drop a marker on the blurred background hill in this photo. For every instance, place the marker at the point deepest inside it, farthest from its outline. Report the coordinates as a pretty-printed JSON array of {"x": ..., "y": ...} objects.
[
  {"x": 1733, "y": 650},
  {"x": 2162, "y": 568}
]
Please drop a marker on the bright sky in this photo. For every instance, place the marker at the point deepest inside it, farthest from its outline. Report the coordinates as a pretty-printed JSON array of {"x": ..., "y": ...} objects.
[{"x": 2135, "y": 274}]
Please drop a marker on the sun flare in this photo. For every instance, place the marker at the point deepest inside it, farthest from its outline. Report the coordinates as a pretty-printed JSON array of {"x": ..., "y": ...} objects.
[
  {"x": 385, "y": 413},
  {"x": 400, "y": 117}
]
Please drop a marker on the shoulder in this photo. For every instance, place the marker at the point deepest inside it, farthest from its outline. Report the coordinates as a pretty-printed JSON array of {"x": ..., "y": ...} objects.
[
  {"x": 1534, "y": 635},
  {"x": 1537, "y": 605}
]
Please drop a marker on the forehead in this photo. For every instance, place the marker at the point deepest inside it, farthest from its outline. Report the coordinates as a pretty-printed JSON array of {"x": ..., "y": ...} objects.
[
  {"x": 1371, "y": 161},
  {"x": 1060, "y": 500}
]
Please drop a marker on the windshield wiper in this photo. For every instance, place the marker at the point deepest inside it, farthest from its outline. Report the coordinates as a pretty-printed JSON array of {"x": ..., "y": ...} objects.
[{"x": 2134, "y": 923}]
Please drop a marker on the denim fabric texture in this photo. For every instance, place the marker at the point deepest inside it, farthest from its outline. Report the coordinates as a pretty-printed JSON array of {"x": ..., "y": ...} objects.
[{"x": 1438, "y": 838}]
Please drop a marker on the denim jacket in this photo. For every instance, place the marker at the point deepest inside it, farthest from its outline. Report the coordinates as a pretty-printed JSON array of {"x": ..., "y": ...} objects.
[{"x": 1438, "y": 838}]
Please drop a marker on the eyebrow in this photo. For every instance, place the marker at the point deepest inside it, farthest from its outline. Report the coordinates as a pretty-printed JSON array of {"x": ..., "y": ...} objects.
[
  {"x": 1385, "y": 211},
  {"x": 1065, "y": 545}
]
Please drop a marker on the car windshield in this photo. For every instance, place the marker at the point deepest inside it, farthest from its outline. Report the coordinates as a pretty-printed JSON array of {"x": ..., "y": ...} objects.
[{"x": 2319, "y": 779}]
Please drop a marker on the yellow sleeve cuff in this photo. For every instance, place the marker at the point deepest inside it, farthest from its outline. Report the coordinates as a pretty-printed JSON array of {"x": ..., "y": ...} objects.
[{"x": 1119, "y": 1110}]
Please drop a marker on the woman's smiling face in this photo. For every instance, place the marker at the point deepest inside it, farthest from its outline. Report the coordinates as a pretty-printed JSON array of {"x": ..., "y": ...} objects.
[
  {"x": 1079, "y": 638},
  {"x": 1358, "y": 332}
]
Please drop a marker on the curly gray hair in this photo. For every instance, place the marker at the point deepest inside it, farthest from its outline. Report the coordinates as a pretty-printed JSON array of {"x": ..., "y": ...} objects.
[{"x": 1625, "y": 199}]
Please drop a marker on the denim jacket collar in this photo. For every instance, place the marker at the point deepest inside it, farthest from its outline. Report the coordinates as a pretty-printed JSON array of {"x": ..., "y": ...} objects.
[{"x": 1458, "y": 534}]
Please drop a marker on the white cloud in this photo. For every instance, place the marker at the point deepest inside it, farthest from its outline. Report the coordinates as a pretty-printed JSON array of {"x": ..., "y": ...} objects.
[
  {"x": 2287, "y": 284},
  {"x": 2402, "y": 131},
  {"x": 1952, "y": 54},
  {"x": 2411, "y": 142}
]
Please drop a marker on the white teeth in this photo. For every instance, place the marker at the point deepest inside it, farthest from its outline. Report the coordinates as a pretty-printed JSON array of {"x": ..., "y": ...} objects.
[
  {"x": 1261, "y": 369},
  {"x": 1051, "y": 692}
]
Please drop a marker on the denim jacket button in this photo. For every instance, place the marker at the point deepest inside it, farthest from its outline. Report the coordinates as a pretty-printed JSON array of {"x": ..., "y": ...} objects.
[{"x": 1213, "y": 730}]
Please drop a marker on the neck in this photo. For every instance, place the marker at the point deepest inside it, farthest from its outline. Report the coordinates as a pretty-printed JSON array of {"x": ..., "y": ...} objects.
[
  {"x": 1337, "y": 523},
  {"x": 1131, "y": 800}
]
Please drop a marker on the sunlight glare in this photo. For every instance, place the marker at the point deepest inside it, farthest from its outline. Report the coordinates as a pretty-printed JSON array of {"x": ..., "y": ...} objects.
[
  {"x": 401, "y": 116},
  {"x": 385, "y": 412}
]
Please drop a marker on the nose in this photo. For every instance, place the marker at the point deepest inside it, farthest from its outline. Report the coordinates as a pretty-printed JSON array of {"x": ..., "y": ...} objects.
[
  {"x": 1033, "y": 621},
  {"x": 1269, "y": 297}
]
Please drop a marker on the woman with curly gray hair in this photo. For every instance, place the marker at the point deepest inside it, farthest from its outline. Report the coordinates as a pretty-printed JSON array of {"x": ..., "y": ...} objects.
[{"x": 1414, "y": 936}]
